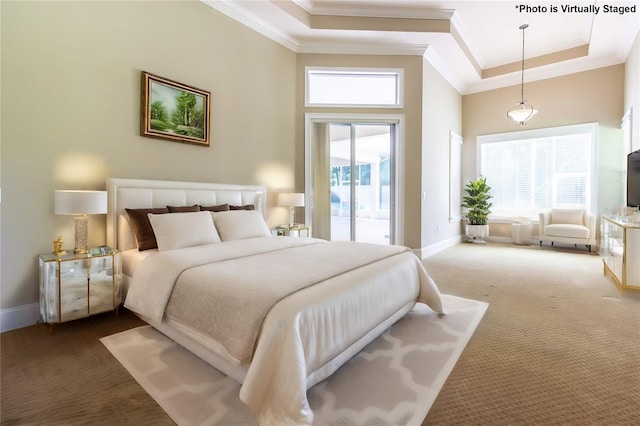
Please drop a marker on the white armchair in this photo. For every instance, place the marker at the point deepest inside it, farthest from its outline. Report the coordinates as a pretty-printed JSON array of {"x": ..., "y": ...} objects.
[{"x": 567, "y": 226}]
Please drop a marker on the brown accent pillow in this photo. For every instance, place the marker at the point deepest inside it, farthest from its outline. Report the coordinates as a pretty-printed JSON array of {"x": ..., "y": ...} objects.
[
  {"x": 141, "y": 226},
  {"x": 183, "y": 209},
  {"x": 218, "y": 208},
  {"x": 245, "y": 207}
]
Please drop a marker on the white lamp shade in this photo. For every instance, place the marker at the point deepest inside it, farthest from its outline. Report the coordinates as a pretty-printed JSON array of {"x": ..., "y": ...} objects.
[
  {"x": 73, "y": 202},
  {"x": 291, "y": 199}
]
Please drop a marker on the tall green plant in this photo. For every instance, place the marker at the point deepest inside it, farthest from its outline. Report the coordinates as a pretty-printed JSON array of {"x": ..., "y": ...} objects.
[{"x": 477, "y": 201}]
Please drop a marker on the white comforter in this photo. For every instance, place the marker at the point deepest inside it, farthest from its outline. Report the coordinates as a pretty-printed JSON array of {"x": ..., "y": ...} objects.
[{"x": 303, "y": 336}]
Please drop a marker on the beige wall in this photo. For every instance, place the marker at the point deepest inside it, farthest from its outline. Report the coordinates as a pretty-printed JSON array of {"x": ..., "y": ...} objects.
[
  {"x": 70, "y": 112},
  {"x": 632, "y": 91},
  {"x": 442, "y": 110},
  {"x": 586, "y": 97},
  {"x": 412, "y": 112}
]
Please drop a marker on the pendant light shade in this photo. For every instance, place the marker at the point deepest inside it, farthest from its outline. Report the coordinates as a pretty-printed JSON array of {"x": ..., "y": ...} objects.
[{"x": 522, "y": 112}]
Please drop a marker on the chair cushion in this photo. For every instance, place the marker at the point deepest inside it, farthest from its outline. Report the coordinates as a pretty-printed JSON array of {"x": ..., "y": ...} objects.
[
  {"x": 566, "y": 231},
  {"x": 567, "y": 216}
]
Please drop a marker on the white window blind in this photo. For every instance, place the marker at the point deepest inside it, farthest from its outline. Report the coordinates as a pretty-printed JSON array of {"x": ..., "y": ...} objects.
[
  {"x": 540, "y": 169},
  {"x": 455, "y": 176}
]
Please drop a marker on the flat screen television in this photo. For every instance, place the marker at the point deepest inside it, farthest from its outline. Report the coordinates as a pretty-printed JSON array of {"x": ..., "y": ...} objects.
[{"x": 633, "y": 179}]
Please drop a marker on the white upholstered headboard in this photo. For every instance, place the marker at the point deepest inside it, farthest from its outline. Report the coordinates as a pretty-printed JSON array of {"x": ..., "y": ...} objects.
[{"x": 140, "y": 193}]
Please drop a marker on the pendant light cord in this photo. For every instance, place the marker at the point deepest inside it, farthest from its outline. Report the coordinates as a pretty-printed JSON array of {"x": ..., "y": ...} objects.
[
  {"x": 522, "y": 27},
  {"x": 522, "y": 78}
]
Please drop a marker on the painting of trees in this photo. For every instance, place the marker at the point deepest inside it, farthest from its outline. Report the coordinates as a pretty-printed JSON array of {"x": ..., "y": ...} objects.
[{"x": 175, "y": 111}]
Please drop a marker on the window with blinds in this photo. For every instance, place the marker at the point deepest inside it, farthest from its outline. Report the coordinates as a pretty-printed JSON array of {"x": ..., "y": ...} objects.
[{"x": 539, "y": 169}]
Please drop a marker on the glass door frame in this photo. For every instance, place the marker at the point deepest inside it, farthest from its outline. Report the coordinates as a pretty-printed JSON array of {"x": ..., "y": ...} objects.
[{"x": 397, "y": 155}]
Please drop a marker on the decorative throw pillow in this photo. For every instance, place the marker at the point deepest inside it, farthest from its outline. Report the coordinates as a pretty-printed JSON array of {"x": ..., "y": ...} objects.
[
  {"x": 180, "y": 230},
  {"x": 183, "y": 209},
  {"x": 245, "y": 207},
  {"x": 218, "y": 208},
  {"x": 567, "y": 216},
  {"x": 141, "y": 226},
  {"x": 241, "y": 224}
]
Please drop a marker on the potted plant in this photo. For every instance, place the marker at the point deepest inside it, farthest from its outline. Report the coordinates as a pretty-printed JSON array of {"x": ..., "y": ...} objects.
[{"x": 478, "y": 205}]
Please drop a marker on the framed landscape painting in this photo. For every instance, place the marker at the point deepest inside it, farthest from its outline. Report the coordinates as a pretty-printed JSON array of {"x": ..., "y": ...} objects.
[{"x": 174, "y": 111}]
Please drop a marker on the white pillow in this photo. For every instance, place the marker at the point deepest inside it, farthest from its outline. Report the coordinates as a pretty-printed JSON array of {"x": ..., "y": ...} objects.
[
  {"x": 567, "y": 216},
  {"x": 180, "y": 230},
  {"x": 240, "y": 224}
]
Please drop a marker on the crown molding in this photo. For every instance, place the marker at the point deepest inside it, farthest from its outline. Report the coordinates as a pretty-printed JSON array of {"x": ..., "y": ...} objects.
[
  {"x": 305, "y": 4},
  {"x": 431, "y": 56},
  {"x": 342, "y": 48},
  {"x": 542, "y": 73},
  {"x": 344, "y": 9},
  {"x": 630, "y": 34},
  {"x": 538, "y": 61},
  {"x": 466, "y": 44},
  {"x": 232, "y": 10}
]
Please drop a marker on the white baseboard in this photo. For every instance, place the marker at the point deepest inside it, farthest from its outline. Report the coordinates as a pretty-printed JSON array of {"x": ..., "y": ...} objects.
[
  {"x": 425, "y": 252},
  {"x": 19, "y": 316}
]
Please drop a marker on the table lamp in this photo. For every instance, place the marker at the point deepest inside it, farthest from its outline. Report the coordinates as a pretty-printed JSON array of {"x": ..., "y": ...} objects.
[
  {"x": 80, "y": 204},
  {"x": 291, "y": 200}
]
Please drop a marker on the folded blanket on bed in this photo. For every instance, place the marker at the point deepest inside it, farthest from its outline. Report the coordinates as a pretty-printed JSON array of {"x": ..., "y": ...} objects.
[
  {"x": 155, "y": 276},
  {"x": 225, "y": 293}
]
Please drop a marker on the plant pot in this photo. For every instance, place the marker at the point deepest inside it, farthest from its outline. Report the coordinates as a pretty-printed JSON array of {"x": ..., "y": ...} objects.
[{"x": 477, "y": 233}]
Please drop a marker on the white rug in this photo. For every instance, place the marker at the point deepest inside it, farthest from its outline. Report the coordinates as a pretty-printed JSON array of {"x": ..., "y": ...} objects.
[{"x": 392, "y": 381}]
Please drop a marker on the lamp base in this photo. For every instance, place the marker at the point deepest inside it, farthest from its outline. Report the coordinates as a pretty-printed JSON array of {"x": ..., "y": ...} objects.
[
  {"x": 82, "y": 232},
  {"x": 292, "y": 217}
]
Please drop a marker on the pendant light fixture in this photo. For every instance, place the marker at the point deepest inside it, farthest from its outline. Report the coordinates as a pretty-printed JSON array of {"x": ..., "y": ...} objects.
[{"x": 522, "y": 112}]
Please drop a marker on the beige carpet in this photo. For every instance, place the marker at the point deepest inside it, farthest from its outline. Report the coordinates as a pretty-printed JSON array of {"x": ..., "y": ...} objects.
[
  {"x": 394, "y": 380},
  {"x": 559, "y": 345}
]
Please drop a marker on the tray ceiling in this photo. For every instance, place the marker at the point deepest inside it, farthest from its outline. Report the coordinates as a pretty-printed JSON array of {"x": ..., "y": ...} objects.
[{"x": 475, "y": 45}]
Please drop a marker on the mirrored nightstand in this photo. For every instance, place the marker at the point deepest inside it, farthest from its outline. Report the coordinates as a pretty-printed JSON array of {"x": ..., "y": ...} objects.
[
  {"x": 76, "y": 286},
  {"x": 291, "y": 231}
]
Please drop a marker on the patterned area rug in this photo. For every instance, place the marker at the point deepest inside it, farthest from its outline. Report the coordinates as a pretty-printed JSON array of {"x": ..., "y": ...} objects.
[{"x": 392, "y": 381}]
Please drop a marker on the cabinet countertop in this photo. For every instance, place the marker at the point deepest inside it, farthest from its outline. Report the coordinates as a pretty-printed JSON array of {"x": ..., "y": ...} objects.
[{"x": 618, "y": 221}]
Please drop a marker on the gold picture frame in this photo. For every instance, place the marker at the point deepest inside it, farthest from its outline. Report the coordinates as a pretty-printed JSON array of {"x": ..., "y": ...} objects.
[{"x": 174, "y": 111}]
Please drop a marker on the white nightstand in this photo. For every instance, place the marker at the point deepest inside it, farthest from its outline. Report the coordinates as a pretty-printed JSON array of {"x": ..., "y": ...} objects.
[
  {"x": 76, "y": 286},
  {"x": 295, "y": 231}
]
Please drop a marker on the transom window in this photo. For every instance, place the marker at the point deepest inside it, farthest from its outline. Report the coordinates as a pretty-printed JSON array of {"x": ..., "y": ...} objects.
[
  {"x": 353, "y": 87},
  {"x": 540, "y": 169}
]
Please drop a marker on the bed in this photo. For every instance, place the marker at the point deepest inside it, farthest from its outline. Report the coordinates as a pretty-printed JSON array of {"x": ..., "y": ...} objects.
[{"x": 277, "y": 314}]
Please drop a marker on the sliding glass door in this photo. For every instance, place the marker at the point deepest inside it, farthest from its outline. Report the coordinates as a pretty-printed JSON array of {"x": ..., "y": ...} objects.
[{"x": 353, "y": 165}]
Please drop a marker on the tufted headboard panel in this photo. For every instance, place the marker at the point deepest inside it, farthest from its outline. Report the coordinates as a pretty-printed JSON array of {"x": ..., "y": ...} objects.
[{"x": 140, "y": 193}]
